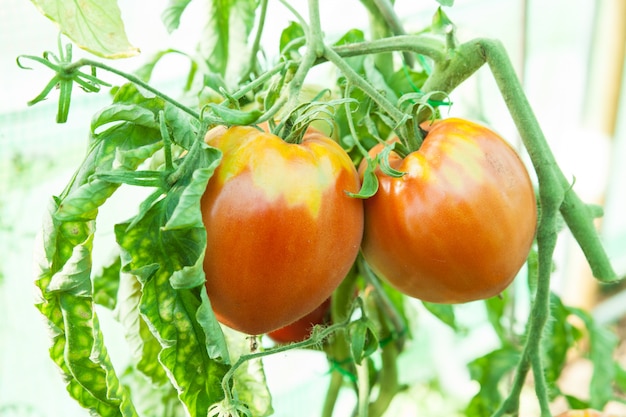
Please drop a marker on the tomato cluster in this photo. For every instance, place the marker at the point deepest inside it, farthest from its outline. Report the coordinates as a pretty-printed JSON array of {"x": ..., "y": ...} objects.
[{"x": 282, "y": 232}]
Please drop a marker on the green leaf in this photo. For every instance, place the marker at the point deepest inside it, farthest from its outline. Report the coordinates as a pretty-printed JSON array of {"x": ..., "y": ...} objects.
[
  {"x": 172, "y": 14},
  {"x": 250, "y": 385},
  {"x": 143, "y": 344},
  {"x": 184, "y": 128},
  {"x": 191, "y": 349},
  {"x": 106, "y": 284},
  {"x": 63, "y": 279},
  {"x": 369, "y": 185},
  {"x": 234, "y": 117},
  {"x": 363, "y": 340},
  {"x": 489, "y": 370},
  {"x": 602, "y": 345},
  {"x": 291, "y": 39},
  {"x": 495, "y": 307},
  {"x": 448, "y": 3},
  {"x": 224, "y": 40},
  {"x": 94, "y": 25},
  {"x": 444, "y": 312},
  {"x": 441, "y": 24},
  {"x": 383, "y": 161},
  {"x": 117, "y": 112},
  {"x": 559, "y": 336},
  {"x": 353, "y": 36}
]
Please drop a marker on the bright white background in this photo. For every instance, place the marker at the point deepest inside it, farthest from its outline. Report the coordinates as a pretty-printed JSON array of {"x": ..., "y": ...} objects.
[{"x": 37, "y": 158}]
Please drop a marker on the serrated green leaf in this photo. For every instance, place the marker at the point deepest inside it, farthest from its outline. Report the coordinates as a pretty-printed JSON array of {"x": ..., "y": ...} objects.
[
  {"x": 172, "y": 14},
  {"x": 95, "y": 26}
]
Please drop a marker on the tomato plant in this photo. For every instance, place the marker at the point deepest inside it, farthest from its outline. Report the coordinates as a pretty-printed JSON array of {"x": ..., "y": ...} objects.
[
  {"x": 282, "y": 231},
  {"x": 253, "y": 219},
  {"x": 458, "y": 224}
]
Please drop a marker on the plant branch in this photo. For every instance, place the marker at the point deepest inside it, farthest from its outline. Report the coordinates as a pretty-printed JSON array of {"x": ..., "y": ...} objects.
[
  {"x": 429, "y": 46},
  {"x": 389, "y": 15},
  {"x": 133, "y": 79},
  {"x": 398, "y": 116}
]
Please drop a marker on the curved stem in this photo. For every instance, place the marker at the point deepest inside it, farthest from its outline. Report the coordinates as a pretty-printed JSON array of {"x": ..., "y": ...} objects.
[
  {"x": 133, "y": 79},
  {"x": 425, "y": 45}
]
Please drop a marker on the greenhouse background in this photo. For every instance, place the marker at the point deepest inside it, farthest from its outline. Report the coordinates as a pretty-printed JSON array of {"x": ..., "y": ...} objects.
[{"x": 570, "y": 55}]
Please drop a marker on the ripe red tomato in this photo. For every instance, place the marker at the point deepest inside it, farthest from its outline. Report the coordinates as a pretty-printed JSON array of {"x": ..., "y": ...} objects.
[
  {"x": 300, "y": 329},
  {"x": 281, "y": 231},
  {"x": 459, "y": 224}
]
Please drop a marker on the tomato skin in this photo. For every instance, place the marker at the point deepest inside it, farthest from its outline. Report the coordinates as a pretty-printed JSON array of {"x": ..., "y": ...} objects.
[
  {"x": 459, "y": 224},
  {"x": 281, "y": 231},
  {"x": 300, "y": 329}
]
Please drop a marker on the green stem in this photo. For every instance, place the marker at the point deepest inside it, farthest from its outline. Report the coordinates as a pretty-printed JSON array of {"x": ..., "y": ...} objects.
[
  {"x": 388, "y": 13},
  {"x": 363, "y": 383},
  {"x": 419, "y": 44},
  {"x": 252, "y": 64},
  {"x": 388, "y": 381},
  {"x": 317, "y": 337},
  {"x": 358, "y": 81},
  {"x": 336, "y": 382},
  {"x": 133, "y": 79},
  {"x": 338, "y": 349},
  {"x": 314, "y": 42}
]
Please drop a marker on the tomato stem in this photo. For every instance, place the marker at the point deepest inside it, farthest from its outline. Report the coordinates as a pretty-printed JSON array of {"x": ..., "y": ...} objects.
[{"x": 132, "y": 78}]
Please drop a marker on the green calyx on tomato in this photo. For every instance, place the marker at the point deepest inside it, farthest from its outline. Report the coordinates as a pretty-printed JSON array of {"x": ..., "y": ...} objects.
[
  {"x": 459, "y": 224},
  {"x": 281, "y": 230}
]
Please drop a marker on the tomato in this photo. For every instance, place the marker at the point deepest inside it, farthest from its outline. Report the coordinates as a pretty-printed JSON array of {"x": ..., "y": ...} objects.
[
  {"x": 459, "y": 224},
  {"x": 281, "y": 231},
  {"x": 300, "y": 329}
]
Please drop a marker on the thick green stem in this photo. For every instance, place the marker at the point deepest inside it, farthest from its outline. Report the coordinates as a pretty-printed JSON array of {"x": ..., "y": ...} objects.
[
  {"x": 419, "y": 44},
  {"x": 388, "y": 381}
]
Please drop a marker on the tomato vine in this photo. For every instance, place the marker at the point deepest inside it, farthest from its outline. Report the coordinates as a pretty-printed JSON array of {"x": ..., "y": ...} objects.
[{"x": 159, "y": 269}]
